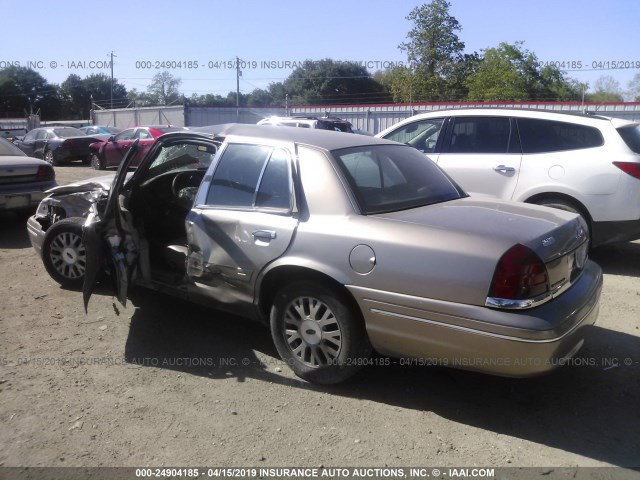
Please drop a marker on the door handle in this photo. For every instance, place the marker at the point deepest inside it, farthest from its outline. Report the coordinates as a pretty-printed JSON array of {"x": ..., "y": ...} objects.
[
  {"x": 264, "y": 234},
  {"x": 504, "y": 169}
]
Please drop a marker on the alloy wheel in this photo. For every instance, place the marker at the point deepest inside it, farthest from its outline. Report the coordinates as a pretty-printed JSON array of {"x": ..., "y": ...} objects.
[{"x": 312, "y": 332}]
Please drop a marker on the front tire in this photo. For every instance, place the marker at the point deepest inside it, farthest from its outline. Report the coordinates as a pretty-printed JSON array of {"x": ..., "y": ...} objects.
[
  {"x": 63, "y": 252},
  {"x": 318, "y": 334},
  {"x": 96, "y": 162}
]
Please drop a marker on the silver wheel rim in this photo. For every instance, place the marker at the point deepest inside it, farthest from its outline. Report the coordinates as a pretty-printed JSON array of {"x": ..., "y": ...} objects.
[
  {"x": 68, "y": 255},
  {"x": 312, "y": 332},
  {"x": 95, "y": 162},
  {"x": 48, "y": 157}
]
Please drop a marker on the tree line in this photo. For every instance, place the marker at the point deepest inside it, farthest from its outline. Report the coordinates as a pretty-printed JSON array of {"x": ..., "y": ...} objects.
[{"x": 437, "y": 70}]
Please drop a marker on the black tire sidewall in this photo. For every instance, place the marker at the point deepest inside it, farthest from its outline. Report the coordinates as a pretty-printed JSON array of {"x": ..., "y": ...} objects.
[
  {"x": 355, "y": 349},
  {"x": 74, "y": 225},
  {"x": 99, "y": 164}
]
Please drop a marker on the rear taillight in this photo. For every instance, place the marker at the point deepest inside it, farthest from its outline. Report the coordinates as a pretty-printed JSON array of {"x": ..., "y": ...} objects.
[
  {"x": 45, "y": 173},
  {"x": 631, "y": 168},
  {"x": 520, "y": 275}
]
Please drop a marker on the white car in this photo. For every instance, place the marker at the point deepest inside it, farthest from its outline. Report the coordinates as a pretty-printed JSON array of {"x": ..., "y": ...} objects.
[{"x": 582, "y": 163}]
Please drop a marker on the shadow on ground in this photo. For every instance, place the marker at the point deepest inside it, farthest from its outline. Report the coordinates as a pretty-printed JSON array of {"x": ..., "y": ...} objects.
[
  {"x": 621, "y": 259},
  {"x": 589, "y": 407},
  {"x": 13, "y": 230}
]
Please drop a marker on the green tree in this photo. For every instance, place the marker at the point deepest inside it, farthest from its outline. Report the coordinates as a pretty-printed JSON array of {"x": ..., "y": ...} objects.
[
  {"x": 633, "y": 92},
  {"x": 208, "y": 100},
  {"x": 76, "y": 100},
  {"x": 163, "y": 89},
  {"x": 332, "y": 82},
  {"x": 509, "y": 72},
  {"x": 400, "y": 82},
  {"x": 23, "y": 90},
  {"x": 433, "y": 51},
  {"x": 606, "y": 89},
  {"x": 259, "y": 98},
  {"x": 98, "y": 86}
]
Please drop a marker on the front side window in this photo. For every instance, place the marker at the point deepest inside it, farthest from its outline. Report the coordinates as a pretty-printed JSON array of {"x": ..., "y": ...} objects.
[
  {"x": 387, "y": 178},
  {"x": 422, "y": 134},
  {"x": 480, "y": 135},
  {"x": 125, "y": 135},
  {"x": 31, "y": 135},
  {"x": 142, "y": 134},
  {"x": 539, "y": 136},
  {"x": 251, "y": 176}
]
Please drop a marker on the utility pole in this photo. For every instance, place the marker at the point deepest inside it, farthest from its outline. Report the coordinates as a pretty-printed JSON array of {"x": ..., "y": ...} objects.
[
  {"x": 238, "y": 74},
  {"x": 112, "y": 55}
]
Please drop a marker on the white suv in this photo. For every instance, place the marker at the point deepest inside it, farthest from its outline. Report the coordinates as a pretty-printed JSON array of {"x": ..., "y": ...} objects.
[{"x": 581, "y": 163}]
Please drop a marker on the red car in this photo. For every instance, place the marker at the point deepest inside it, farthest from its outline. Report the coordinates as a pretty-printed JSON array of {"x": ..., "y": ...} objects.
[{"x": 110, "y": 153}]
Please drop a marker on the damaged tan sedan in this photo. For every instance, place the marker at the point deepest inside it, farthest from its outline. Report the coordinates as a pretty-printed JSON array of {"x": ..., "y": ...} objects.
[{"x": 344, "y": 244}]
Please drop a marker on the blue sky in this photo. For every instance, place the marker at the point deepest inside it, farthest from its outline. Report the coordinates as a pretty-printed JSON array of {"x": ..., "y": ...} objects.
[{"x": 207, "y": 32}]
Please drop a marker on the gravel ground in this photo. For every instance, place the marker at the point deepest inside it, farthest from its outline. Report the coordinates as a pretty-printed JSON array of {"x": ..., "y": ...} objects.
[{"x": 166, "y": 383}]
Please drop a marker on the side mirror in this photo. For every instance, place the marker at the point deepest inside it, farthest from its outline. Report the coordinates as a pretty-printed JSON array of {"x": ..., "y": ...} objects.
[{"x": 111, "y": 138}]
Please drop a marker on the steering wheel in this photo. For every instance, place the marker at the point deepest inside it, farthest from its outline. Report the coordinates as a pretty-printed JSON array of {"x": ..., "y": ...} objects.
[{"x": 182, "y": 191}]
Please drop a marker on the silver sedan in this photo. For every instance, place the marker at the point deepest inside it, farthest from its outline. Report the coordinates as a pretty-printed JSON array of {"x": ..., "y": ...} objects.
[{"x": 344, "y": 244}]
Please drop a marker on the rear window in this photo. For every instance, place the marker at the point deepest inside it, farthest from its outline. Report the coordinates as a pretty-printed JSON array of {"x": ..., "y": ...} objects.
[
  {"x": 631, "y": 136},
  {"x": 67, "y": 132},
  {"x": 539, "y": 136},
  {"x": 387, "y": 178}
]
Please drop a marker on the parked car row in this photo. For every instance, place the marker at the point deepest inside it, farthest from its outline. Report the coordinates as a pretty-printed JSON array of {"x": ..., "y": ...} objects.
[
  {"x": 99, "y": 146},
  {"x": 340, "y": 243}
]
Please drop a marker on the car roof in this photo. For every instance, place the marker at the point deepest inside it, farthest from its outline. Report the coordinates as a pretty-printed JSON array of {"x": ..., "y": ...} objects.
[
  {"x": 501, "y": 111},
  {"x": 325, "y": 139}
]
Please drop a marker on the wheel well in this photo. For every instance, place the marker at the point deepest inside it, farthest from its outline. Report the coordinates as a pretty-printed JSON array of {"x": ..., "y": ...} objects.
[
  {"x": 280, "y": 276},
  {"x": 567, "y": 198}
]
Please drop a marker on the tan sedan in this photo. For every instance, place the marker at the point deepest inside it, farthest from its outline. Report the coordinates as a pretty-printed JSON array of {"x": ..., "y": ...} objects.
[{"x": 344, "y": 244}]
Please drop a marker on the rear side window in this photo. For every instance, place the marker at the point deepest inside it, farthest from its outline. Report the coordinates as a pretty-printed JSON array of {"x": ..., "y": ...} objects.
[
  {"x": 631, "y": 136},
  {"x": 480, "y": 135},
  {"x": 539, "y": 136}
]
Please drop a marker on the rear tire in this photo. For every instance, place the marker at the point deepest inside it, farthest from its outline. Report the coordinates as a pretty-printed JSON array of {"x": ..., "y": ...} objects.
[
  {"x": 63, "y": 252},
  {"x": 317, "y": 333},
  {"x": 50, "y": 158},
  {"x": 567, "y": 206}
]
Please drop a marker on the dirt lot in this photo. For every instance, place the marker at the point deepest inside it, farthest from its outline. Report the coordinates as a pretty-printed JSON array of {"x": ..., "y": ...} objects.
[{"x": 162, "y": 382}]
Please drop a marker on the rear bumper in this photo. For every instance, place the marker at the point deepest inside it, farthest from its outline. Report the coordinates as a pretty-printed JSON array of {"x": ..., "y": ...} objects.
[
  {"x": 23, "y": 197},
  {"x": 509, "y": 343}
]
